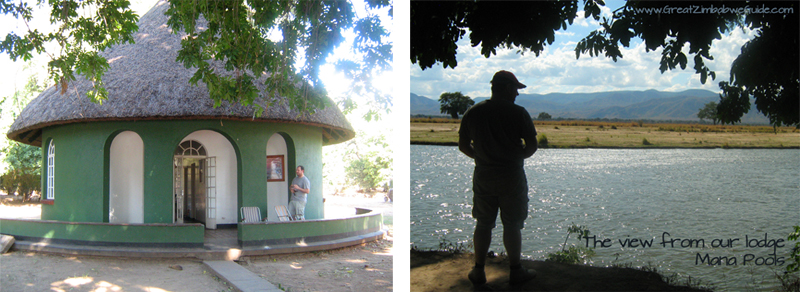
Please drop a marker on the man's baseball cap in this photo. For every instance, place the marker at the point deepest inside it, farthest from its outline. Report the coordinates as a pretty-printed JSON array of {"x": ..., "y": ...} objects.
[{"x": 504, "y": 76}]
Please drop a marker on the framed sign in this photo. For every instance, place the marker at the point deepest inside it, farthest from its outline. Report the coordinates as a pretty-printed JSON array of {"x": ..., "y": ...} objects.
[{"x": 275, "y": 168}]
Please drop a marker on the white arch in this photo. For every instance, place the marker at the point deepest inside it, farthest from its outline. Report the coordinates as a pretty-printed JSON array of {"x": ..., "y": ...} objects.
[
  {"x": 126, "y": 179},
  {"x": 226, "y": 172},
  {"x": 277, "y": 192}
]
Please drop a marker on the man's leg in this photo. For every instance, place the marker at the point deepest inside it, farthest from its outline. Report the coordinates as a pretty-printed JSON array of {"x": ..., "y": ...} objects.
[
  {"x": 512, "y": 239},
  {"x": 300, "y": 209},
  {"x": 482, "y": 239},
  {"x": 291, "y": 208}
]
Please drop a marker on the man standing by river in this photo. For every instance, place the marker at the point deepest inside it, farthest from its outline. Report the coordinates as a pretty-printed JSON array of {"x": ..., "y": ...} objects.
[{"x": 492, "y": 132}]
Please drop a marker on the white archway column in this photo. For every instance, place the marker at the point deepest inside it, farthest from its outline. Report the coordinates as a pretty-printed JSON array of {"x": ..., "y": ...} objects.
[
  {"x": 218, "y": 146},
  {"x": 126, "y": 179}
]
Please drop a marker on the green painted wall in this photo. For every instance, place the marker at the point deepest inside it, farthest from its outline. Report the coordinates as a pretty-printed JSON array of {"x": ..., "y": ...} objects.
[
  {"x": 81, "y": 187},
  {"x": 300, "y": 229},
  {"x": 105, "y": 233}
]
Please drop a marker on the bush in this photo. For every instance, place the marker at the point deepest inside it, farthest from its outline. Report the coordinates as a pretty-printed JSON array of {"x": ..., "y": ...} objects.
[
  {"x": 573, "y": 254},
  {"x": 366, "y": 172},
  {"x": 543, "y": 141},
  {"x": 645, "y": 142},
  {"x": 21, "y": 181},
  {"x": 795, "y": 255}
]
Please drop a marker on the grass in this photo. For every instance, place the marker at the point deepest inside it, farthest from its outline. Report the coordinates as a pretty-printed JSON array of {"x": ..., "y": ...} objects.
[
  {"x": 673, "y": 279},
  {"x": 592, "y": 134}
]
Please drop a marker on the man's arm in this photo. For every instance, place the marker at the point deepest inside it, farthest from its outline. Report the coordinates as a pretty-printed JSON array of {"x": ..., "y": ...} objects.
[
  {"x": 531, "y": 145},
  {"x": 465, "y": 145},
  {"x": 529, "y": 136},
  {"x": 300, "y": 189}
]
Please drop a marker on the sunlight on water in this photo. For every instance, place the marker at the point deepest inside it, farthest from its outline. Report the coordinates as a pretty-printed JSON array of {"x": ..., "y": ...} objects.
[{"x": 661, "y": 198}]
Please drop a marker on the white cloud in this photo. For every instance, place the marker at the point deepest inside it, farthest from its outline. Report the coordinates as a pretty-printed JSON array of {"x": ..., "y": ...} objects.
[{"x": 557, "y": 70}]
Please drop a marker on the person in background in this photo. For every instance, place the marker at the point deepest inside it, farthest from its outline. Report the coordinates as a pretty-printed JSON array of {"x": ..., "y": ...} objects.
[{"x": 300, "y": 188}]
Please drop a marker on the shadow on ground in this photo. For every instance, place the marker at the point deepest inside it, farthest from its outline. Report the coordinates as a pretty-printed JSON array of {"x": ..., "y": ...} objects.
[{"x": 445, "y": 271}]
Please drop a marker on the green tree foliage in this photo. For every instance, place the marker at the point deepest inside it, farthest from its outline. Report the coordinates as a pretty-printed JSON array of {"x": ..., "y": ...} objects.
[
  {"x": 24, "y": 173},
  {"x": 795, "y": 255},
  {"x": 708, "y": 112},
  {"x": 573, "y": 254},
  {"x": 544, "y": 116},
  {"x": 436, "y": 26},
  {"x": 22, "y": 163},
  {"x": 83, "y": 29},
  {"x": 766, "y": 69},
  {"x": 236, "y": 34},
  {"x": 368, "y": 164},
  {"x": 454, "y": 103}
]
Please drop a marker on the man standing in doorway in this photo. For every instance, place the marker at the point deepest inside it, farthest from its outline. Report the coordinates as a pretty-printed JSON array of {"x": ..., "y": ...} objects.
[
  {"x": 492, "y": 132},
  {"x": 300, "y": 188}
]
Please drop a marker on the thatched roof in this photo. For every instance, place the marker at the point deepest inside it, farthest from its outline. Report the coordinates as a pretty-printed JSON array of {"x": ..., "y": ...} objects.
[{"x": 145, "y": 83}]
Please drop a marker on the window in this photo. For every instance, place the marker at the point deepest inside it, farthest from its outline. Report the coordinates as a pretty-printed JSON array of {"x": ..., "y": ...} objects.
[
  {"x": 51, "y": 165},
  {"x": 190, "y": 148}
]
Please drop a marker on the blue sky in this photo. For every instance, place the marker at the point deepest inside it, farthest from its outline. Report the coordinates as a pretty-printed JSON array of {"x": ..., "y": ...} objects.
[{"x": 557, "y": 70}]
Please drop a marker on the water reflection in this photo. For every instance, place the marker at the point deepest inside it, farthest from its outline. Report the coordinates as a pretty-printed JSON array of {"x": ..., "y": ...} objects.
[{"x": 625, "y": 194}]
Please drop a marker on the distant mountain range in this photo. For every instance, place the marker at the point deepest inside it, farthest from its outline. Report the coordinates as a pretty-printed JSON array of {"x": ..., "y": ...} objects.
[{"x": 645, "y": 105}]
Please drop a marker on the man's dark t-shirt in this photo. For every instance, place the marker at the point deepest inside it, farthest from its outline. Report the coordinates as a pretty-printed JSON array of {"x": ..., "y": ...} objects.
[{"x": 496, "y": 128}]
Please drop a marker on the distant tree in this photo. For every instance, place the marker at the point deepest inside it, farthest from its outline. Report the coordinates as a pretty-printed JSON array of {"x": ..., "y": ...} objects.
[
  {"x": 544, "y": 116},
  {"x": 454, "y": 103},
  {"x": 22, "y": 163},
  {"x": 24, "y": 172},
  {"x": 708, "y": 112}
]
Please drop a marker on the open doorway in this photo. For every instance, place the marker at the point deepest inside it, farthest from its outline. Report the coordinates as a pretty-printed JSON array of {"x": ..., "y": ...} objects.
[{"x": 194, "y": 185}]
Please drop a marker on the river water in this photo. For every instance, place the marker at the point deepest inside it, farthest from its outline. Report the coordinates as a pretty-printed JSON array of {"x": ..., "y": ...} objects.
[{"x": 718, "y": 215}]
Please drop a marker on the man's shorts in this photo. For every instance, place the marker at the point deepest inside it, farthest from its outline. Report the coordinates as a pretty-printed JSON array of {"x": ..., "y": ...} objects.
[
  {"x": 297, "y": 209},
  {"x": 506, "y": 190}
]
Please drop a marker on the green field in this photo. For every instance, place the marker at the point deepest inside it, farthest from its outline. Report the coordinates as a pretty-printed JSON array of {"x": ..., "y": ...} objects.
[{"x": 590, "y": 134}]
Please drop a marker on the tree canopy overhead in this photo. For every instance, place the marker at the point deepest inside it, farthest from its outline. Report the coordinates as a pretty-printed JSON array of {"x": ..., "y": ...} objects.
[
  {"x": 285, "y": 41},
  {"x": 766, "y": 69},
  {"x": 436, "y": 26}
]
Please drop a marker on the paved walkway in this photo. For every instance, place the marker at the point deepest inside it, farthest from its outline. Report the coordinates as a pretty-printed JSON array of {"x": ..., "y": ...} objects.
[{"x": 239, "y": 277}]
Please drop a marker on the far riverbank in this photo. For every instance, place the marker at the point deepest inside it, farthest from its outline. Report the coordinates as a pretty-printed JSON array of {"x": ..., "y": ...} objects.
[{"x": 626, "y": 135}]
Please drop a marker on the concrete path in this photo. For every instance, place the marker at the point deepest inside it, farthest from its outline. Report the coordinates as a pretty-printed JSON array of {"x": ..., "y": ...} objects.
[
  {"x": 239, "y": 277},
  {"x": 6, "y": 242}
]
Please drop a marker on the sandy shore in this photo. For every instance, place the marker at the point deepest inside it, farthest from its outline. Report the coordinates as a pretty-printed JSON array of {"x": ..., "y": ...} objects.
[{"x": 366, "y": 267}]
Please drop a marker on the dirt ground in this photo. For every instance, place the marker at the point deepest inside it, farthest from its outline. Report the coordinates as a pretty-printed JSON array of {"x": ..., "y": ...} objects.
[
  {"x": 366, "y": 267},
  {"x": 444, "y": 271}
]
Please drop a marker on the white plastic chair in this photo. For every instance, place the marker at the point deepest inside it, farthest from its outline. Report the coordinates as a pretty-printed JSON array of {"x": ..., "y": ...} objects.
[
  {"x": 283, "y": 213},
  {"x": 250, "y": 214}
]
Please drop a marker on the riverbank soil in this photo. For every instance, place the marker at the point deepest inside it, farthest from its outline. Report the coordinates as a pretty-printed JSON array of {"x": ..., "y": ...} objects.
[
  {"x": 365, "y": 267},
  {"x": 446, "y": 271},
  {"x": 590, "y": 134}
]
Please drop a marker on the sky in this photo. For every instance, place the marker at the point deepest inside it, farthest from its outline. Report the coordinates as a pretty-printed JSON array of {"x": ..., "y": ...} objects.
[
  {"x": 14, "y": 75},
  {"x": 557, "y": 70}
]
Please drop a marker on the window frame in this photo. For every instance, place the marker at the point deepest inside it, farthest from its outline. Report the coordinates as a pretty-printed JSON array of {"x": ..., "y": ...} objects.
[{"x": 51, "y": 165}]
